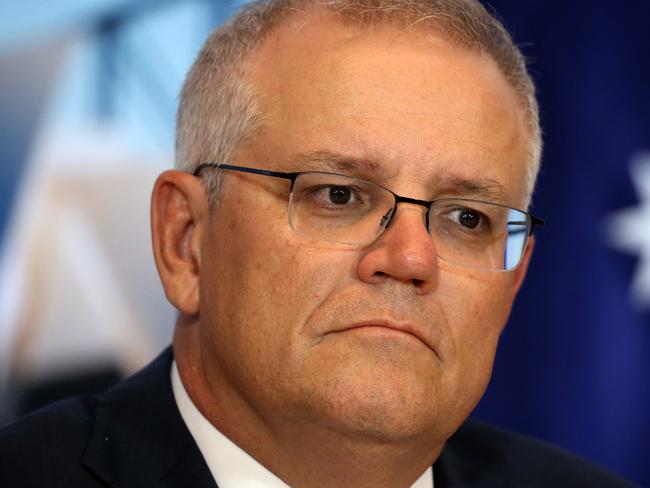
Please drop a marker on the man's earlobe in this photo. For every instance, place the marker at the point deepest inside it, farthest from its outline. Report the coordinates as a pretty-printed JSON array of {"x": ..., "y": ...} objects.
[{"x": 179, "y": 212}]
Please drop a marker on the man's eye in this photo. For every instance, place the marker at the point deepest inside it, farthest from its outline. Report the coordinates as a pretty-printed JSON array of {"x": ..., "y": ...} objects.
[
  {"x": 340, "y": 194},
  {"x": 468, "y": 218},
  {"x": 336, "y": 195}
]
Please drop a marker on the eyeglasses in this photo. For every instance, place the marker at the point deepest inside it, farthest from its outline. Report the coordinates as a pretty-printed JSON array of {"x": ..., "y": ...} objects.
[{"x": 346, "y": 210}]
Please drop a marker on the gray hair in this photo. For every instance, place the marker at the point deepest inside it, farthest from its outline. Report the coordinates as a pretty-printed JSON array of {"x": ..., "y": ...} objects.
[{"x": 218, "y": 111}]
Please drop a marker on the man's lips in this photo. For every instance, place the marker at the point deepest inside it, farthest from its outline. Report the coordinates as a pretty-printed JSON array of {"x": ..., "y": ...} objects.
[{"x": 402, "y": 327}]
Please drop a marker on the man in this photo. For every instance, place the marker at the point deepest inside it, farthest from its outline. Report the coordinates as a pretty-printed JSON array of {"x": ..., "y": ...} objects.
[{"x": 343, "y": 239}]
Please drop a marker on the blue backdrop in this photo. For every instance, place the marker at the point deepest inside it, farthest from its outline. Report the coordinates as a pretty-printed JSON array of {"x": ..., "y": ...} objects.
[{"x": 574, "y": 360}]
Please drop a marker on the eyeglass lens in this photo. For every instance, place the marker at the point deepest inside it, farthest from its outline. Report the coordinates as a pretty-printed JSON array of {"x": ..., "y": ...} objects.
[{"x": 348, "y": 210}]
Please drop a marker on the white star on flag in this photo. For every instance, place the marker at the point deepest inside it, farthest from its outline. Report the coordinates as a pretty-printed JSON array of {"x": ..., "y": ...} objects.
[{"x": 629, "y": 229}]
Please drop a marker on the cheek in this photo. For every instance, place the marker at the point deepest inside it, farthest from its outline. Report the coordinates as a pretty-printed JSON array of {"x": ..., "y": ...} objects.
[
  {"x": 266, "y": 278},
  {"x": 478, "y": 302},
  {"x": 477, "y": 309}
]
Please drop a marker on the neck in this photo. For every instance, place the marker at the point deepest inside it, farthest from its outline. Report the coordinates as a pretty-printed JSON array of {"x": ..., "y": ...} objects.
[
  {"x": 301, "y": 452},
  {"x": 305, "y": 456}
]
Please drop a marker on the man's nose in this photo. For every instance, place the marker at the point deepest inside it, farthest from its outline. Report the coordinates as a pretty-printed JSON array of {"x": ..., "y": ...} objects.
[{"x": 404, "y": 252}]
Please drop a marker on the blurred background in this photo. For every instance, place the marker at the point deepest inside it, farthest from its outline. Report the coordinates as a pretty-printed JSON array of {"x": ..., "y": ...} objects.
[{"x": 88, "y": 93}]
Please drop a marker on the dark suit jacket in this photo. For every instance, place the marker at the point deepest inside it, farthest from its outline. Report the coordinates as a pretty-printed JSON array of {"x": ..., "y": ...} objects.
[{"x": 134, "y": 436}]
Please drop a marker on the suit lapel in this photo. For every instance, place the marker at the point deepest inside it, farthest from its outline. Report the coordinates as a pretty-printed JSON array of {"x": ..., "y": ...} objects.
[{"x": 139, "y": 438}]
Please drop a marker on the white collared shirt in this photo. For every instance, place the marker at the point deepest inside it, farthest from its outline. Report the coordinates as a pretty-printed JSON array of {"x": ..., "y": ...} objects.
[{"x": 230, "y": 465}]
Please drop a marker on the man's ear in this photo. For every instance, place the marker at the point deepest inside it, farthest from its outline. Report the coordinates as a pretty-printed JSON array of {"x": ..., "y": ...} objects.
[
  {"x": 520, "y": 273},
  {"x": 179, "y": 215}
]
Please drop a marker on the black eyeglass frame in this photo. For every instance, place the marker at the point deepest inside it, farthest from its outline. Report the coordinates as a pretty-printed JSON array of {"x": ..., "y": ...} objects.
[{"x": 292, "y": 176}]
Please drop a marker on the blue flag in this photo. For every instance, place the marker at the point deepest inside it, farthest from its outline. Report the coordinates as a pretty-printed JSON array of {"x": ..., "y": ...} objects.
[{"x": 574, "y": 361}]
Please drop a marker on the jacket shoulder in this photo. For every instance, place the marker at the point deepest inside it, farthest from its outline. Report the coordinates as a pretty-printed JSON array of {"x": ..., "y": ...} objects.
[
  {"x": 46, "y": 447},
  {"x": 130, "y": 435},
  {"x": 482, "y": 455}
]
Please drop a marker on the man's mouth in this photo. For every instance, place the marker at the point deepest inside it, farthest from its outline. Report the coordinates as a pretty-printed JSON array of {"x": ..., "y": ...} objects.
[{"x": 390, "y": 328}]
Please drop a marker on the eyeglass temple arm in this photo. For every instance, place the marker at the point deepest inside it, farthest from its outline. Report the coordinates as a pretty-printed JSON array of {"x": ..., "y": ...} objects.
[
  {"x": 535, "y": 222},
  {"x": 243, "y": 169}
]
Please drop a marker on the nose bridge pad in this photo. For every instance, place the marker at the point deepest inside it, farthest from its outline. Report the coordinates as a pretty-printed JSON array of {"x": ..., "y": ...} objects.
[
  {"x": 427, "y": 214},
  {"x": 386, "y": 219}
]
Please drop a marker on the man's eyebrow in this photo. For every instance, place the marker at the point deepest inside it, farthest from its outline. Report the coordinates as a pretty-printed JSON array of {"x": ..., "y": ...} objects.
[
  {"x": 477, "y": 187},
  {"x": 326, "y": 160}
]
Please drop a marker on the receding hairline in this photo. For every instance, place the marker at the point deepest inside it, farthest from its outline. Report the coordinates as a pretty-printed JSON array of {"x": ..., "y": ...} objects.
[
  {"x": 360, "y": 22},
  {"x": 365, "y": 19}
]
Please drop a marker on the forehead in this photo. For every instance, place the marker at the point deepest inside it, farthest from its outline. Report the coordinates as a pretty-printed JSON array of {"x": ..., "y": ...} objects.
[{"x": 405, "y": 98}]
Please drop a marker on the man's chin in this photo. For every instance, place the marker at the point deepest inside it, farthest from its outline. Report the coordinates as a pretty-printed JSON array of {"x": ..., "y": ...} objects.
[
  {"x": 383, "y": 423},
  {"x": 382, "y": 403}
]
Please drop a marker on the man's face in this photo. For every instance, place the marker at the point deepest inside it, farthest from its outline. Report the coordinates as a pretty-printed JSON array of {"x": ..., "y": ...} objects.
[{"x": 305, "y": 331}]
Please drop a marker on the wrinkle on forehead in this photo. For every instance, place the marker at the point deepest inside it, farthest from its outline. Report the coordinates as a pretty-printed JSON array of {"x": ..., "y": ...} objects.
[{"x": 327, "y": 160}]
